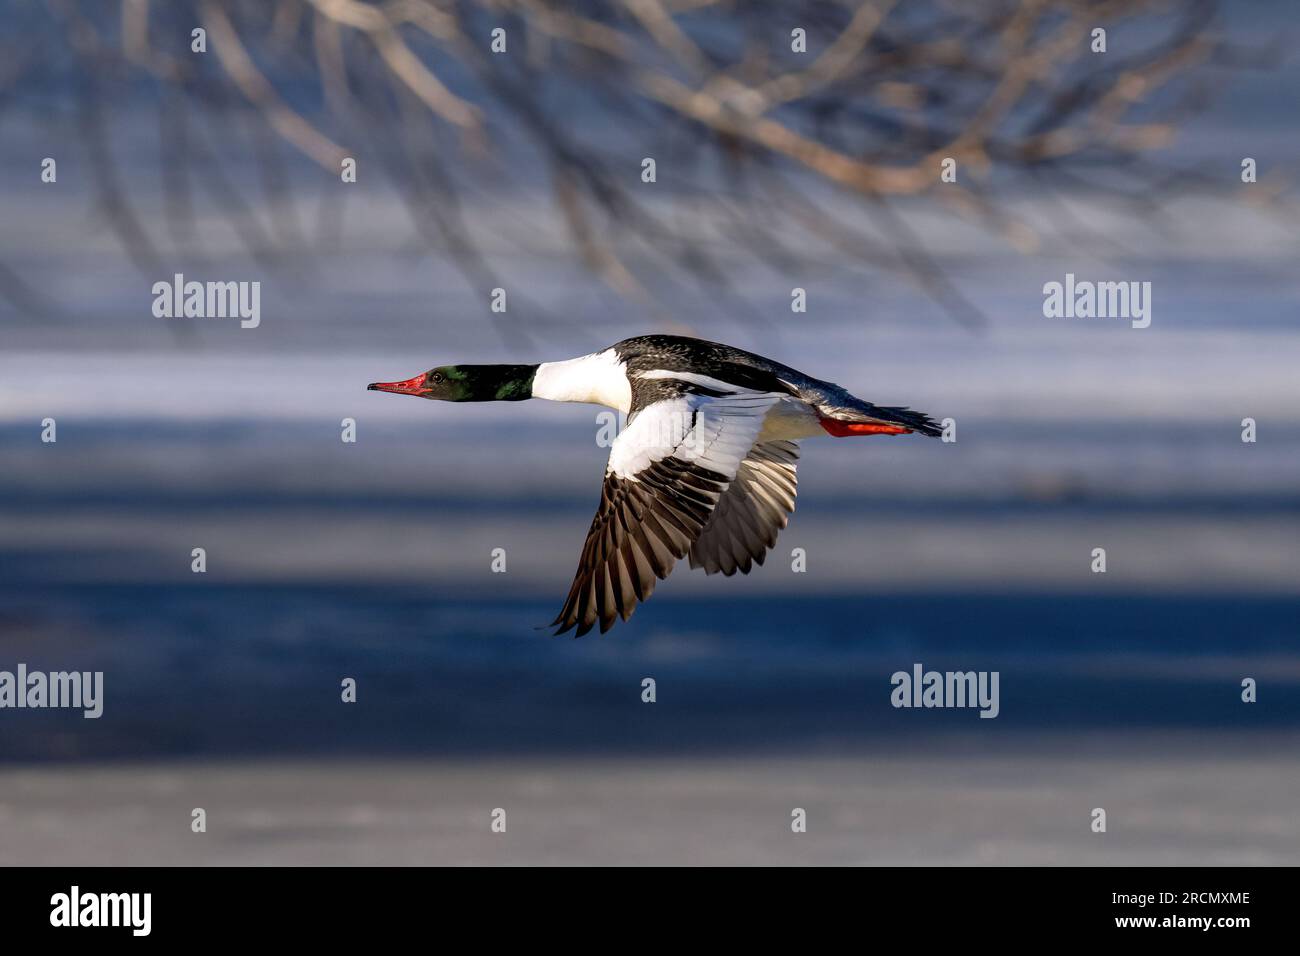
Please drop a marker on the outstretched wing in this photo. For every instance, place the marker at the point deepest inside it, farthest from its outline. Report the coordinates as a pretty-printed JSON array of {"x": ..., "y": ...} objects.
[
  {"x": 667, "y": 471},
  {"x": 748, "y": 517}
]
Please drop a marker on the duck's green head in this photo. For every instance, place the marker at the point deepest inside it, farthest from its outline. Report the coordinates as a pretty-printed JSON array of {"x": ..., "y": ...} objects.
[{"x": 467, "y": 383}]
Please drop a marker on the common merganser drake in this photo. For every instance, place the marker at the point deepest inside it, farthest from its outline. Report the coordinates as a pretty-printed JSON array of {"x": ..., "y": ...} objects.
[{"x": 704, "y": 467}]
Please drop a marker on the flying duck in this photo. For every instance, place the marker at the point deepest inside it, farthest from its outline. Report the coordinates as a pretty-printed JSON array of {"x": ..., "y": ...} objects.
[{"x": 704, "y": 467}]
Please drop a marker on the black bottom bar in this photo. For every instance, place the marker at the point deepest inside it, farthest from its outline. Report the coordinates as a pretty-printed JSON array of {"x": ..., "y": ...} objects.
[{"x": 334, "y": 905}]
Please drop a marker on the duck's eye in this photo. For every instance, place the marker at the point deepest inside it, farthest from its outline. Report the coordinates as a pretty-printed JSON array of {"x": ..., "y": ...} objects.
[{"x": 436, "y": 378}]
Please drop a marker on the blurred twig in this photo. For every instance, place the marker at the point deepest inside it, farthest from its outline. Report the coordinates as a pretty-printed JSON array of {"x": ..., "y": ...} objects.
[{"x": 883, "y": 94}]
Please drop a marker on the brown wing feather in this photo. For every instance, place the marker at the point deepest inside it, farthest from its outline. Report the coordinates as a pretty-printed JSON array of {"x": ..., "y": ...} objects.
[
  {"x": 755, "y": 508},
  {"x": 641, "y": 529}
]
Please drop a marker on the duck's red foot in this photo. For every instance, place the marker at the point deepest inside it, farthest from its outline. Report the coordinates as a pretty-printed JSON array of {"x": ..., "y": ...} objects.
[{"x": 844, "y": 429}]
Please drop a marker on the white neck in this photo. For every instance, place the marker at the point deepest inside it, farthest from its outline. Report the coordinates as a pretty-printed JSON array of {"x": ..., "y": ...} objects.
[{"x": 599, "y": 379}]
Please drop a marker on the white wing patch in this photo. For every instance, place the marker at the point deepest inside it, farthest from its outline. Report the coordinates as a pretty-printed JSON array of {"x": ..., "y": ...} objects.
[{"x": 702, "y": 431}]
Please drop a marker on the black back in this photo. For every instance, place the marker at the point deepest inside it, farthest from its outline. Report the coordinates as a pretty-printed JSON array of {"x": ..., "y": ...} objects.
[{"x": 679, "y": 353}]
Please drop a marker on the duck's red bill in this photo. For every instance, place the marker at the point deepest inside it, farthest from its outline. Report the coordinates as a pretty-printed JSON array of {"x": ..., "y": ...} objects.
[{"x": 412, "y": 386}]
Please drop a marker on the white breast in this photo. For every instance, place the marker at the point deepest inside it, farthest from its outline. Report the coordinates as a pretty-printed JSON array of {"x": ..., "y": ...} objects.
[{"x": 599, "y": 378}]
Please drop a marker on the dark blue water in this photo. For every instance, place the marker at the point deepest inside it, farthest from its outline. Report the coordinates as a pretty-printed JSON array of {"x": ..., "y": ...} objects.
[{"x": 210, "y": 671}]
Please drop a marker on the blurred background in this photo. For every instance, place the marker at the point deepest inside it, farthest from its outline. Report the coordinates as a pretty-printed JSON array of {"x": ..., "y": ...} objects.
[{"x": 521, "y": 170}]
